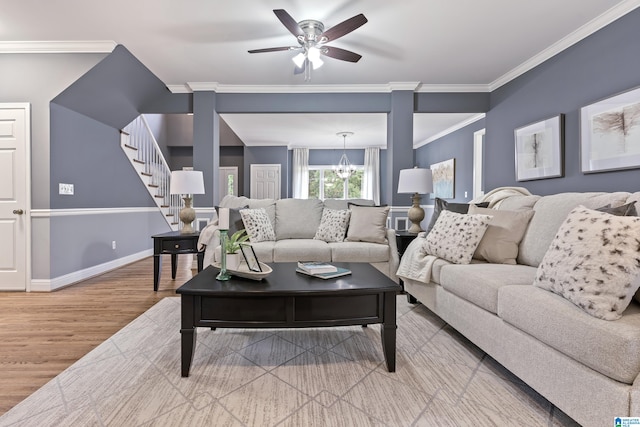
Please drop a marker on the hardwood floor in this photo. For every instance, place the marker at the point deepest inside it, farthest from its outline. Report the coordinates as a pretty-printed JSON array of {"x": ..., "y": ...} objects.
[{"x": 41, "y": 334}]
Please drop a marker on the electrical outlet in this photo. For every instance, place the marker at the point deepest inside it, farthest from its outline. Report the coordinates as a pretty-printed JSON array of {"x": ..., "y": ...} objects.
[
  {"x": 65, "y": 189},
  {"x": 113, "y": 245},
  {"x": 465, "y": 194}
]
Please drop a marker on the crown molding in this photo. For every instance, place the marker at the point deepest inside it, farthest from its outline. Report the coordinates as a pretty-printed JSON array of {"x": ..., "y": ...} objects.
[
  {"x": 412, "y": 86},
  {"x": 77, "y": 46},
  {"x": 452, "y": 129},
  {"x": 440, "y": 88},
  {"x": 581, "y": 33}
]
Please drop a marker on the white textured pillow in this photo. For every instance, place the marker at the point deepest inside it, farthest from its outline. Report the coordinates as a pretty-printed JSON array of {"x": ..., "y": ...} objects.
[
  {"x": 258, "y": 225},
  {"x": 333, "y": 225},
  {"x": 499, "y": 244},
  {"x": 593, "y": 262},
  {"x": 455, "y": 236},
  {"x": 368, "y": 224}
]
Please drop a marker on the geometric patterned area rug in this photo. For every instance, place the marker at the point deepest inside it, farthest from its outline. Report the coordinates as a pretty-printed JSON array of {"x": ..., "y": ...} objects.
[{"x": 286, "y": 377}]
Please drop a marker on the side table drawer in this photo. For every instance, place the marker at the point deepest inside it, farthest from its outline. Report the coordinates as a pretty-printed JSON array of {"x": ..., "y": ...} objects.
[{"x": 179, "y": 245}]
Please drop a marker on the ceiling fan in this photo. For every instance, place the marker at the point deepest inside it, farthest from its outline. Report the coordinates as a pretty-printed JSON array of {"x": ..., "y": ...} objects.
[{"x": 312, "y": 39}]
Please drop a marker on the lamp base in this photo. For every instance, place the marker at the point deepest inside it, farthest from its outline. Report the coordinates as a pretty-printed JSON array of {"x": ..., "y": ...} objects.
[
  {"x": 187, "y": 215},
  {"x": 415, "y": 214}
]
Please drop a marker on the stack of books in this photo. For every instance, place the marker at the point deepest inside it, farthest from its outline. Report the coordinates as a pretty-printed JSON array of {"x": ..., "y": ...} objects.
[{"x": 321, "y": 270}]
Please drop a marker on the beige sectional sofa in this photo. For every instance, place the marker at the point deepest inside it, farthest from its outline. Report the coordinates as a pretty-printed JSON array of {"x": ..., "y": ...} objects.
[
  {"x": 295, "y": 222},
  {"x": 586, "y": 366}
]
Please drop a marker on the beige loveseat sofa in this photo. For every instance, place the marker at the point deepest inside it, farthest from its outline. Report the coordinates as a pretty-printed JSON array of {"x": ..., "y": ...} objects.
[
  {"x": 586, "y": 366},
  {"x": 295, "y": 223}
]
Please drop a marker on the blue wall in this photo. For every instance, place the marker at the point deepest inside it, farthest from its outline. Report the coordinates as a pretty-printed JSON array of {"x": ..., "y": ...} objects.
[
  {"x": 603, "y": 64},
  {"x": 457, "y": 145}
]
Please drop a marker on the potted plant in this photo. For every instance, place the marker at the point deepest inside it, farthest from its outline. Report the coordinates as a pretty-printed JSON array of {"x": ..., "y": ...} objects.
[{"x": 232, "y": 246}]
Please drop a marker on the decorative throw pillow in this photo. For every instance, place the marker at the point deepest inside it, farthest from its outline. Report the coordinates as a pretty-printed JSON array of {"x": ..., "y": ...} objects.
[
  {"x": 333, "y": 225},
  {"x": 235, "y": 219},
  {"x": 455, "y": 236},
  {"x": 625, "y": 210},
  {"x": 500, "y": 242},
  {"x": 442, "y": 205},
  {"x": 593, "y": 262},
  {"x": 368, "y": 224},
  {"x": 258, "y": 225}
]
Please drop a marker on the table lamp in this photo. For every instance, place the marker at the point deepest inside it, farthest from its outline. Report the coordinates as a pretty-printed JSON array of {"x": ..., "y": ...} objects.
[
  {"x": 187, "y": 182},
  {"x": 417, "y": 181}
]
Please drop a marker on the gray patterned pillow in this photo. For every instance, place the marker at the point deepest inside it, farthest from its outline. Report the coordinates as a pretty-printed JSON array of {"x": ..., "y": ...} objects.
[
  {"x": 333, "y": 225},
  {"x": 593, "y": 262},
  {"x": 258, "y": 225},
  {"x": 455, "y": 236}
]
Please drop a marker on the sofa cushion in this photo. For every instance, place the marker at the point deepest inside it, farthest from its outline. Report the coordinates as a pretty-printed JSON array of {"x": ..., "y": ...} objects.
[
  {"x": 333, "y": 225},
  {"x": 500, "y": 242},
  {"x": 455, "y": 236},
  {"x": 368, "y": 224},
  {"x": 593, "y": 262},
  {"x": 611, "y": 348},
  {"x": 479, "y": 283},
  {"x": 442, "y": 205},
  {"x": 291, "y": 250},
  {"x": 297, "y": 218},
  {"x": 550, "y": 212},
  {"x": 257, "y": 224},
  {"x": 359, "y": 252},
  {"x": 264, "y": 250}
]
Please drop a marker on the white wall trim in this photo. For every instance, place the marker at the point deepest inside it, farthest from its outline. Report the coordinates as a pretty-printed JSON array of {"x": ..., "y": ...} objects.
[
  {"x": 452, "y": 129},
  {"x": 48, "y": 213},
  {"x": 94, "y": 46},
  {"x": 39, "y": 285},
  {"x": 581, "y": 33},
  {"x": 355, "y": 88}
]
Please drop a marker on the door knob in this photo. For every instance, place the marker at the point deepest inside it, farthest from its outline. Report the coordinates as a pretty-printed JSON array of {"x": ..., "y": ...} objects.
[{"x": 18, "y": 211}]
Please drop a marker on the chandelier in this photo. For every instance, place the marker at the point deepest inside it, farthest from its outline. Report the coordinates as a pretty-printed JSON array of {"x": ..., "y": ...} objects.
[{"x": 344, "y": 168}]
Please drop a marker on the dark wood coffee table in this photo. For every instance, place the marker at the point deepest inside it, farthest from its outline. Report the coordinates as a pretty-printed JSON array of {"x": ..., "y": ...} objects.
[{"x": 288, "y": 299}]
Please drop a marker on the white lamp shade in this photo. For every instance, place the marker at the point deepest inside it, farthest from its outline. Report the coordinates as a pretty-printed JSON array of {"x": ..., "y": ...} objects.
[
  {"x": 415, "y": 180},
  {"x": 186, "y": 182}
]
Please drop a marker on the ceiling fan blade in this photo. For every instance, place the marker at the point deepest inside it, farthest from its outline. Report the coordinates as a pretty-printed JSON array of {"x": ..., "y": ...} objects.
[
  {"x": 289, "y": 22},
  {"x": 345, "y": 27},
  {"x": 341, "y": 54},
  {"x": 271, "y": 49}
]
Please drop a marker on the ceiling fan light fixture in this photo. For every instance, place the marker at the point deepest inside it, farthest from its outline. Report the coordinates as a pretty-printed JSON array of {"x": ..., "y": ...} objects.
[
  {"x": 317, "y": 63},
  {"x": 313, "y": 53},
  {"x": 299, "y": 59}
]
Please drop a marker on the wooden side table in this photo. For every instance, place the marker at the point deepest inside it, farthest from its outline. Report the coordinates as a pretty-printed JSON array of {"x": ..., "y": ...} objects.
[
  {"x": 174, "y": 243},
  {"x": 403, "y": 238}
]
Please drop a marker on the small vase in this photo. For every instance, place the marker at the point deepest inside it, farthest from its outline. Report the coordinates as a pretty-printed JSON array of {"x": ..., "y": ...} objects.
[{"x": 233, "y": 261}]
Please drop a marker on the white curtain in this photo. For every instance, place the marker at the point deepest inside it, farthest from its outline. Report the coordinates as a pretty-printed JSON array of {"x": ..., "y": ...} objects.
[
  {"x": 371, "y": 177},
  {"x": 300, "y": 180}
]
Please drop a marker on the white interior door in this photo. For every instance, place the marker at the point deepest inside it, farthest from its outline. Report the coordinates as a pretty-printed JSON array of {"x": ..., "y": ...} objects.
[
  {"x": 265, "y": 182},
  {"x": 14, "y": 196},
  {"x": 478, "y": 150},
  {"x": 228, "y": 181}
]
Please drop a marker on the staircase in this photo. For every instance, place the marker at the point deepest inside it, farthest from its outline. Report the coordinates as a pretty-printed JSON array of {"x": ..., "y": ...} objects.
[{"x": 142, "y": 150}]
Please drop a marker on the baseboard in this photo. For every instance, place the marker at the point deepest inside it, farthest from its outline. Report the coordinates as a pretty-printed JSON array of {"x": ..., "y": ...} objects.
[{"x": 40, "y": 285}]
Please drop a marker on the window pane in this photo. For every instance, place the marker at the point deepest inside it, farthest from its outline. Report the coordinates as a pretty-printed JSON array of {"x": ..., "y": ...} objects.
[
  {"x": 314, "y": 184},
  {"x": 230, "y": 184},
  {"x": 333, "y": 185},
  {"x": 354, "y": 189}
]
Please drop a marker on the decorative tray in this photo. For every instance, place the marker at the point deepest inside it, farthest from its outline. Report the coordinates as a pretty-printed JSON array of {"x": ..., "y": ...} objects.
[{"x": 244, "y": 272}]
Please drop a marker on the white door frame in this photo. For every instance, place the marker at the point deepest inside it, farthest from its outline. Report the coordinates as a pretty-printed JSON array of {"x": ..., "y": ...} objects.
[
  {"x": 26, "y": 204},
  {"x": 478, "y": 153}
]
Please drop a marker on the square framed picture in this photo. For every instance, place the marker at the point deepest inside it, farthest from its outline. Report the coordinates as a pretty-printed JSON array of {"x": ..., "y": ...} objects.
[
  {"x": 402, "y": 223},
  {"x": 540, "y": 149},
  {"x": 610, "y": 133},
  {"x": 250, "y": 257}
]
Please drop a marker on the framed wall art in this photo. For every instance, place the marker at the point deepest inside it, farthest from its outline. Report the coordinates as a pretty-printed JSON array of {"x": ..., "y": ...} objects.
[
  {"x": 610, "y": 133},
  {"x": 444, "y": 176},
  {"x": 540, "y": 149}
]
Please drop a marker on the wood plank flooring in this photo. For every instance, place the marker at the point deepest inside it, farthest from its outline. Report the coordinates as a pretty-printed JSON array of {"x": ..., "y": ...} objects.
[{"x": 41, "y": 334}]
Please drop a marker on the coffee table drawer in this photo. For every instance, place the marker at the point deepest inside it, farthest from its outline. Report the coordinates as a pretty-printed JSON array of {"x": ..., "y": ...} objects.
[
  {"x": 263, "y": 309},
  {"x": 322, "y": 308}
]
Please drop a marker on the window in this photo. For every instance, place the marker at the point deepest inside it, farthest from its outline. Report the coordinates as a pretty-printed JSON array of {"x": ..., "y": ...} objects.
[{"x": 324, "y": 183}]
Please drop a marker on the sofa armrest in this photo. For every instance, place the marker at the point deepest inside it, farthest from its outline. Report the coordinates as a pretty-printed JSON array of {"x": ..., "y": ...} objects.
[{"x": 394, "y": 258}]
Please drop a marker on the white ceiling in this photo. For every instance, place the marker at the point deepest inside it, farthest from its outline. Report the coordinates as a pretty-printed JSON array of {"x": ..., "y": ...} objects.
[{"x": 463, "y": 44}]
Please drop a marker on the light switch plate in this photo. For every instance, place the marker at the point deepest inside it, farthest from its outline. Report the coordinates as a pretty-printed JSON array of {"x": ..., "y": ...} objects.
[{"x": 66, "y": 189}]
